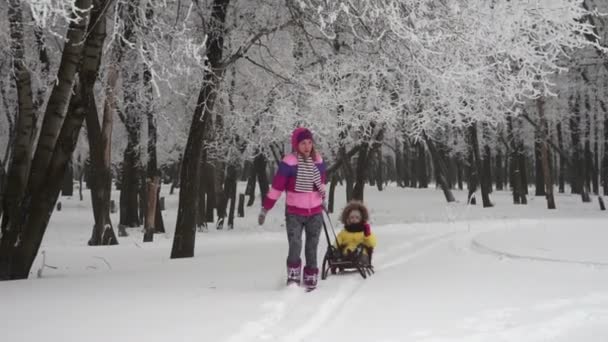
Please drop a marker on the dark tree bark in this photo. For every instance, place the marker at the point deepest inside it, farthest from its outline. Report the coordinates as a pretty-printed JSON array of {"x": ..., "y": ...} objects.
[
  {"x": 99, "y": 137},
  {"x": 499, "y": 170},
  {"x": 578, "y": 162},
  {"x": 23, "y": 233},
  {"x": 152, "y": 185},
  {"x": 250, "y": 189},
  {"x": 421, "y": 170},
  {"x": 183, "y": 241},
  {"x": 485, "y": 192},
  {"x": 175, "y": 173},
  {"x": 605, "y": 150},
  {"x": 361, "y": 172},
  {"x": 379, "y": 170},
  {"x": 131, "y": 181},
  {"x": 201, "y": 209},
  {"x": 406, "y": 174},
  {"x": 523, "y": 172},
  {"x": 209, "y": 186},
  {"x": 241, "y": 206},
  {"x": 20, "y": 160},
  {"x": 16, "y": 261},
  {"x": 229, "y": 196},
  {"x": 440, "y": 168},
  {"x": 259, "y": 164},
  {"x": 562, "y": 164},
  {"x": 10, "y": 119},
  {"x": 538, "y": 162},
  {"x": 152, "y": 170},
  {"x": 2, "y": 187},
  {"x": 596, "y": 164},
  {"x": 348, "y": 173},
  {"x": 67, "y": 189},
  {"x": 545, "y": 158},
  {"x": 332, "y": 192},
  {"x": 515, "y": 171},
  {"x": 460, "y": 171},
  {"x": 399, "y": 167},
  {"x": 486, "y": 160}
]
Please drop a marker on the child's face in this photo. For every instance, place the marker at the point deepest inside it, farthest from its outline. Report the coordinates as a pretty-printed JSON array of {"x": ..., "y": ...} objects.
[
  {"x": 354, "y": 217},
  {"x": 305, "y": 147}
]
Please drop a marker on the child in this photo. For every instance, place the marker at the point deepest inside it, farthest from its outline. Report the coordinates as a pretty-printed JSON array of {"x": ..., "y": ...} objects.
[
  {"x": 357, "y": 231},
  {"x": 302, "y": 175}
]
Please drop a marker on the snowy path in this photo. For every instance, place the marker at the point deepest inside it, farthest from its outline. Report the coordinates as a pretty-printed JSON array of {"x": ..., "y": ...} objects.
[{"x": 296, "y": 315}]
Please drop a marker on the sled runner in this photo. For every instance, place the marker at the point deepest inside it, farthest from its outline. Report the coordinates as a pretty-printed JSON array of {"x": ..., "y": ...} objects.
[{"x": 336, "y": 260}]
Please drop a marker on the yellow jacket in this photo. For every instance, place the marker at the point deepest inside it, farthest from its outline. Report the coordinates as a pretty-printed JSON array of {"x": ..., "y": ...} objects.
[{"x": 350, "y": 240}]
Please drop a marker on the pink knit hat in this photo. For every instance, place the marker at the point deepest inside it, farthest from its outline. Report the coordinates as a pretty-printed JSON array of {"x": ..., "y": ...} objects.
[{"x": 299, "y": 134}]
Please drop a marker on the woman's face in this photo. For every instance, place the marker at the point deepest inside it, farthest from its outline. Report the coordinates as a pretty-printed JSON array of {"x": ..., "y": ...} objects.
[
  {"x": 305, "y": 147},
  {"x": 354, "y": 217}
]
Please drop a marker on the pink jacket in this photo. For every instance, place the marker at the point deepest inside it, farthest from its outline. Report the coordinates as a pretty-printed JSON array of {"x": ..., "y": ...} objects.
[{"x": 298, "y": 203}]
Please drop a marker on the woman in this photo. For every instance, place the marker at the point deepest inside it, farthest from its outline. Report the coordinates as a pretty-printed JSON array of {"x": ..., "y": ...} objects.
[{"x": 302, "y": 175}]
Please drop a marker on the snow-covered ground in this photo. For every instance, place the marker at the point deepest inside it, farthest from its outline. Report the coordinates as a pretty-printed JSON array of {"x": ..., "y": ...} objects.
[{"x": 443, "y": 273}]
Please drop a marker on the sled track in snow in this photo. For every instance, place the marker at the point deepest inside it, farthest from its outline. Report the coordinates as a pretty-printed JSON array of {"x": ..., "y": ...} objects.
[
  {"x": 275, "y": 325},
  {"x": 484, "y": 249},
  {"x": 333, "y": 304}
]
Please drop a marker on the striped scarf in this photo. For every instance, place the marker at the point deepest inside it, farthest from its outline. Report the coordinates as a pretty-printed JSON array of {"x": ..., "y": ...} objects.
[{"x": 308, "y": 176}]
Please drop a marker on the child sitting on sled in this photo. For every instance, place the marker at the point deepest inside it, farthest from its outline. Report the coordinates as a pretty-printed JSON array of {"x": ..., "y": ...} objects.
[{"x": 356, "y": 236}]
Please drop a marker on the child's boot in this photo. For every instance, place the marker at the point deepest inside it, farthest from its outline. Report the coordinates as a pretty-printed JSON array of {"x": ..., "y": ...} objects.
[
  {"x": 311, "y": 274},
  {"x": 294, "y": 273}
]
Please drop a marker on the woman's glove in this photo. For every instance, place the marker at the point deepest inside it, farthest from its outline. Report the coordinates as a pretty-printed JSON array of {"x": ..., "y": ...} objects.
[
  {"x": 262, "y": 216},
  {"x": 367, "y": 230}
]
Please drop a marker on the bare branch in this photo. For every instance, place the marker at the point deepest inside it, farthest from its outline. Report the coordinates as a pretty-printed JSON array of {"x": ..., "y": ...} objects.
[{"x": 255, "y": 38}]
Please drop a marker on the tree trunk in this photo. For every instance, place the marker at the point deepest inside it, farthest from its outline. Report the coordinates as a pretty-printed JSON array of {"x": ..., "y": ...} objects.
[
  {"x": 229, "y": 195},
  {"x": 595, "y": 174},
  {"x": 132, "y": 185},
  {"x": 23, "y": 234},
  {"x": 562, "y": 163},
  {"x": 347, "y": 172},
  {"x": 546, "y": 162},
  {"x": 2, "y": 187},
  {"x": 99, "y": 137},
  {"x": 209, "y": 176},
  {"x": 10, "y": 119},
  {"x": 259, "y": 164},
  {"x": 515, "y": 171},
  {"x": 378, "y": 177},
  {"x": 407, "y": 175},
  {"x": 440, "y": 169},
  {"x": 55, "y": 112},
  {"x": 250, "y": 189},
  {"x": 175, "y": 173},
  {"x": 361, "y": 172},
  {"x": 153, "y": 185},
  {"x": 201, "y": 210},
  {"x": 605, "y": 150},
  {"x": 459, "y": 171},
  {"x": 332, "y": 192},
  {"x": 499, "y": 171},
  {"x": 539, "y": 163},
  {"x": 31, "y": 227},
  {"x": 183, "y": 241},
  {"x": 20, "y": 159},
  {"x": 485, "y": 193},
  {"x": 67, "y": 189},
  {"x": 399, "y": 169},
  {"x": 421, "y": 170},
  {"x": 578, "y": 162},
  {"x": 487, "y": 167}
]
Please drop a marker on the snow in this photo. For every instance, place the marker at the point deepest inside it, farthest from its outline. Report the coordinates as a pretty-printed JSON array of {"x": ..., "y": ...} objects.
[{"x": 444, "y": 272}]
